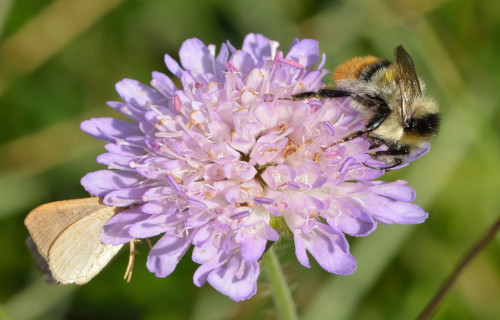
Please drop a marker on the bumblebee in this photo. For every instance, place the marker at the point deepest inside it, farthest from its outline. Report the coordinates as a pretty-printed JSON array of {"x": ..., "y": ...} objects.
[{"x": 390, "y": 98}]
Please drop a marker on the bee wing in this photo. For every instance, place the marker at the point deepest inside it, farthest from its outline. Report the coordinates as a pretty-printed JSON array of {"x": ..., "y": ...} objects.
[
  {"x": 408, "y": 82},
  {"x": 65, "y": 239}
]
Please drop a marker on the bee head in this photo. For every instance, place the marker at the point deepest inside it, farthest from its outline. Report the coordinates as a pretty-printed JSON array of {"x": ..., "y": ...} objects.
[{"x": 425, "y": 125}]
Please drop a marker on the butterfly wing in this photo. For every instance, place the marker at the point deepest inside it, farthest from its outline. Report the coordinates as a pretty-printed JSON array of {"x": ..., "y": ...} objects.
[
  {"x": 65, "y": 239},
  {"x": 77, "y": 255}
]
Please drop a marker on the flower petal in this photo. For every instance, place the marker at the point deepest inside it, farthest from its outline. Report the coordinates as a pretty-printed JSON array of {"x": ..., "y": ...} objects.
[
  {"x": 173, "y": 66},
  {"x": 166, "y": 254},
  {"x": 350, "y": 219},
  {"x": 242, "y": 61},
  {"x": 100, "y": 183},
  {"x": 257, "y": 46},
  {"x": 150, "y": 227},
  {"x": 328, "y": 247},
  {"x": 163, "y": 84},
  {"x": 389, "y": 211},
  {"x": 305, "y": 52},
  {"x": 195, "y": 55},
  {"x": 397, "y": 190},
  {"x": 237, "y": 279},
  {"x": 126, "y": 196},
  {"x": 138, "y": 94},
  {"x": 116, "y": 230},
  {"x": 109, "y": 129}
]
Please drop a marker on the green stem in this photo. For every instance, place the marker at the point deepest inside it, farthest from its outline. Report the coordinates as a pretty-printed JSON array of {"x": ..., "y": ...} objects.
[{"x": 282, "y": 296}]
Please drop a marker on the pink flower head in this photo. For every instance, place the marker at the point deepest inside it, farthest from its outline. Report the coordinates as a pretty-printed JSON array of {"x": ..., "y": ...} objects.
[{"x": 211, "y": 164}]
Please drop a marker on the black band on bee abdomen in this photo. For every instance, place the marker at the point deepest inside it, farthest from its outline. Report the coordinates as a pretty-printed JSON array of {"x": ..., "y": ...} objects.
[
  {"x": 428, "y": 124},
  {"x": 367, "y": 74}
]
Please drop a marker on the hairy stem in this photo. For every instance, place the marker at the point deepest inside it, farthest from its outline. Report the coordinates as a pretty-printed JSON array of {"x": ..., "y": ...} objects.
[{"x": 282, "y": 297}]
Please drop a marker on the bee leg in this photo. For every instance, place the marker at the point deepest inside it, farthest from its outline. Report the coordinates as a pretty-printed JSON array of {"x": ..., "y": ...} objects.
[
  {"x": 321, "y": 95},
  {"x": 350, "y": 137},
  {"x": 398, "y": 154},
  {"x": 368, "y": 102},
  {"x": 398, "y": 161},
  {"x": 372, "y": 125}
]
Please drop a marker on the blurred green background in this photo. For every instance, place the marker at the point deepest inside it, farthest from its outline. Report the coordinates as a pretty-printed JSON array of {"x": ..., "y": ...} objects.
[{"x": 59, "y": 60}]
